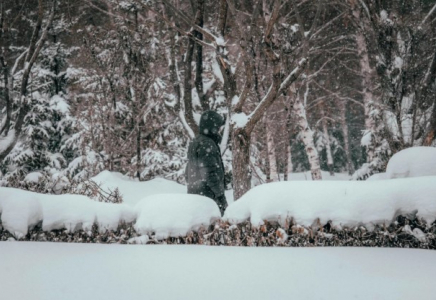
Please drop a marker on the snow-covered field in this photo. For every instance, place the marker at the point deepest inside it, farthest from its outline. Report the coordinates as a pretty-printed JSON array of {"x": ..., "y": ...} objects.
[{"x": 51, "y": 271}]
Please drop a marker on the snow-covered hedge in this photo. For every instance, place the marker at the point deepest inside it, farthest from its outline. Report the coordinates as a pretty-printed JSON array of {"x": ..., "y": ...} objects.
[
  {"x": 397, "y": 212},
  {"x": 167, "y": 214},
  {"x": 344, "y": 203}
]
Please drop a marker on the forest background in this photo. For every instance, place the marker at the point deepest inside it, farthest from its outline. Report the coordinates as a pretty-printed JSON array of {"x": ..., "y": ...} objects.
[{"x": 92, "y": 85}]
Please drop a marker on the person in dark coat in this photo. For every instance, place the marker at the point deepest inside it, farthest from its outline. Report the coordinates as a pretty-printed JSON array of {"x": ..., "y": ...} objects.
[{"x": 205, "y": 170}]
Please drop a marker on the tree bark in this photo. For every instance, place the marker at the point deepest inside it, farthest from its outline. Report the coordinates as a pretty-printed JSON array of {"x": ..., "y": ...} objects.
[
  {"x": 6, "y": 125},
  {"x": 344, "y": 127},
  {"x": 307, "y": 137},
  {"x": 199, "y": 56},
  {"x": 187, "y": 95},
  {"x": 222, "y": 19},
  {"x": 241, "y": 163},
  {"x": 288, "y": 128},
  {"x": 138, "y": 151},
  {"x": 271, "y": 151},
  {"x": 175, "y": 78},
  {"x": 365, "y": 68},
  {"x": 327, "y": 140},
  {"x": 289, "y": 166}
]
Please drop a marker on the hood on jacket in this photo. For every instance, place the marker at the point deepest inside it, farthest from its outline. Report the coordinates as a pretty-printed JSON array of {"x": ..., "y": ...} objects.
[{"x": 210, "y": 124}]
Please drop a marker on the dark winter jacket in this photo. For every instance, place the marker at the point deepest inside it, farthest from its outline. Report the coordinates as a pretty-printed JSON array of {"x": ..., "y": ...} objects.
[{"x": 205, "y": 170}]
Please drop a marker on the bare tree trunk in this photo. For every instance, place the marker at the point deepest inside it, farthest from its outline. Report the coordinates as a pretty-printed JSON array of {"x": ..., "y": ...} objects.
[
  {"x": 362, "y": 52},
  {"x": 328, "y": 145},
  {"x": 7, "y": 123},
  {"x": 289, "y": 166},
  {"x": 271, "y": 151},
  {"x": 307, "y": 137},
  {"x": 241, "y": 163},
  {"x": 344, "y": 127},
  {"x": 425, "y": 93},
  {"x": 241, "y": 136},
  {"x": 175, "y": 78},
  {"x": 187, "y": 95},
  {"x": 138, "y": 151},
  {"x": 222, "y": 22},
  {"x": 289, "y": 129},
  {"x": 199, "y": 56}
]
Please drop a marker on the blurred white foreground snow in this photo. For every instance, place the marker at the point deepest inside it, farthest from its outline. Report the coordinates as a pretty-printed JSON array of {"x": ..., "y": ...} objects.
[{"x": 53, "y": 271}]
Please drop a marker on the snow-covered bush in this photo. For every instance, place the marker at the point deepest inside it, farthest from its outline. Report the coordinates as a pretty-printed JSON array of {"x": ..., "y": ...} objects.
[
  {"x": 344, "y": 203},
  {"x": 412, "y": 162}
]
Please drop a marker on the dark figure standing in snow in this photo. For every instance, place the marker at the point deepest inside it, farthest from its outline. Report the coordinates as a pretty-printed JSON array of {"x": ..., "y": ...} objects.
[{"x": 205, "y": 169}]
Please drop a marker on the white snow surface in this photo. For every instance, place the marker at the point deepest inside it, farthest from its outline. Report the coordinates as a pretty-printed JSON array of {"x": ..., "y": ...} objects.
[
  {"x": 240, "y": 120},
  {"x": 53, "y": 271},
  {"x": 412, "y": 162},
  {"x": 345, "y": 203},
  {"x": 174, "y": 214},
  {"x": 377, "y": 176}
]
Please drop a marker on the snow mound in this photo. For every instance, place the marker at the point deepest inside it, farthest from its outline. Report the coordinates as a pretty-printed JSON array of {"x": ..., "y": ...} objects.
[
  {"x": 347, "y": 203},
  {"x": 21, "y": 210},
  {"x": 173, "y": 215},
  {"x": 412, "y": 162},
  {"x": 75, "y": 212},
  {"x": 133, "y": 190},
  {"x": 33, "y": 177}
]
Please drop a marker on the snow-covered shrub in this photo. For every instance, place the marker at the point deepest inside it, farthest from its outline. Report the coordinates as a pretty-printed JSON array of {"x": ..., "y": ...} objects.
[
  {"x": 412, "y": 162},
  {"x": 41, "y": 183}
]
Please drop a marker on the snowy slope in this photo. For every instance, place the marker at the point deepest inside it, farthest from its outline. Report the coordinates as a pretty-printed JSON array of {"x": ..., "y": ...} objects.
[{"x": 51, "y": 271}]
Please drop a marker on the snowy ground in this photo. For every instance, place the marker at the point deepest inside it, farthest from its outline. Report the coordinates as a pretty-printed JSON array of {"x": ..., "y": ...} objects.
[{"x": 52, "y": 271}]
